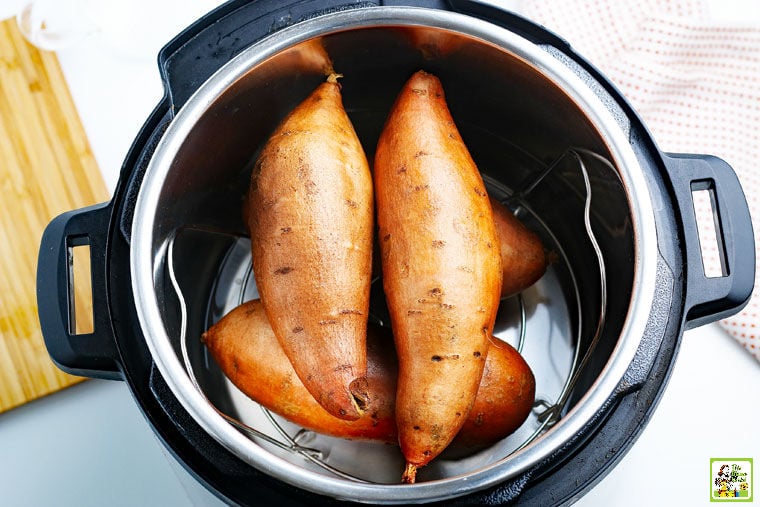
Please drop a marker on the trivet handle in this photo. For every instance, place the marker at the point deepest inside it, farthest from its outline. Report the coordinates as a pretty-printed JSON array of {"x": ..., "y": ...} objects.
[
  {"x": 709, "y": 299},
  {"x": 89, "y": 354}
]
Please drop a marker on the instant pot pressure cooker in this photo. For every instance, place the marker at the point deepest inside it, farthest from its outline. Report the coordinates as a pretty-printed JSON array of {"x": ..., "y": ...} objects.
[{"x": 554, "y": 141}]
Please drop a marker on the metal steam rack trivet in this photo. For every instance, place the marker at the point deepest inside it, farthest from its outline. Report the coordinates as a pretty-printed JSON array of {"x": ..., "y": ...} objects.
[{"x": 547, "y": 412}]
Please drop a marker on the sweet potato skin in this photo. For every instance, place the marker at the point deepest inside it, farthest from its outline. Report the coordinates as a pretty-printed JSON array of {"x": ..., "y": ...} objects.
[
  {"x": 441, "y": 266},
  {"x": 246, "y": 349},
  {"x": 523, "y": 259},
  {"x": 310, "y": 214}
]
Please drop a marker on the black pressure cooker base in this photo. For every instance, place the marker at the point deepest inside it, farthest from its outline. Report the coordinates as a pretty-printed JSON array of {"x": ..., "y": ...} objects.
[{"x": 121, "y": 350}]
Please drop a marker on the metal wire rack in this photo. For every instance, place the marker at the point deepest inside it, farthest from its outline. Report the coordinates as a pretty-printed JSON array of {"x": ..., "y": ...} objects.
[{"x": 547, "y": 412}]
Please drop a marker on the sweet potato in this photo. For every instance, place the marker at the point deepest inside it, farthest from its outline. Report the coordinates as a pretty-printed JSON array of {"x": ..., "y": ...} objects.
[
  {"x": 310, "y": 208},
  {"x": 244, "y": 346},
  {"x": 523, "y": 259},
  {"x": 441, "y": 267}
]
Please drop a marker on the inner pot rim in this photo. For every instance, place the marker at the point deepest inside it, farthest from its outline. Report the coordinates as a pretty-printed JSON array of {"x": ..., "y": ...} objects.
[{"x": 144, "y": 271}]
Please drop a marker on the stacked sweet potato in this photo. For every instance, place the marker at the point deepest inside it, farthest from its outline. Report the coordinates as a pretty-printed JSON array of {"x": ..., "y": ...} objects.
[{"x": 448, "y": 254}]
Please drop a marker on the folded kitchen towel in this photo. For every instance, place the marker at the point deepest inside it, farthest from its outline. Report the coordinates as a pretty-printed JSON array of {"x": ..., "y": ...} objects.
[{"x": 692, "y": 75}]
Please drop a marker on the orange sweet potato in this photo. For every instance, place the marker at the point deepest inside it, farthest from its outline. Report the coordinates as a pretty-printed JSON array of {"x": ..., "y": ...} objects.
[
  {"x": 246, "y": 349},
  {"x": 523, "y": 259},
  {"x": 310, "y": 214},
  {"x": 441, "y": 267}
]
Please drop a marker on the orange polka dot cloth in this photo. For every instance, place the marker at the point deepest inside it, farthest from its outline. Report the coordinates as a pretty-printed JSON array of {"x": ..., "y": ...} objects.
[{"x": 693, "y": 77}]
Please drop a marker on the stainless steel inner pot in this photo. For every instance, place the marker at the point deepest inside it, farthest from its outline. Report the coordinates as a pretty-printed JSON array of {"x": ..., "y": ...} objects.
[{"x": 520, "y": 107}]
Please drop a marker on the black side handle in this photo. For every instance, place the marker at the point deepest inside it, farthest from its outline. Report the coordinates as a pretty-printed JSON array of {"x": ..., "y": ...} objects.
[
  {"x": 709, "y": 299},
  {"x": 92, "y": 354}
]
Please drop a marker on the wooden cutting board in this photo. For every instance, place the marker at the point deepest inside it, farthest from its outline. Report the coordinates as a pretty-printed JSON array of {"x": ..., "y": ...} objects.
[{"x": 46, "y": 168}]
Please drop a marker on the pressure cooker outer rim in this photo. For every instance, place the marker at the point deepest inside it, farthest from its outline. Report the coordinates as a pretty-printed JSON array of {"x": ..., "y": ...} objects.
[{"x": 149, "y": 316}]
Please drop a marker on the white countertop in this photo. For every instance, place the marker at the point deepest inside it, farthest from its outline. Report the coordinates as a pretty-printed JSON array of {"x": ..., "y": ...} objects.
[{"x": 90, "y": 445}]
